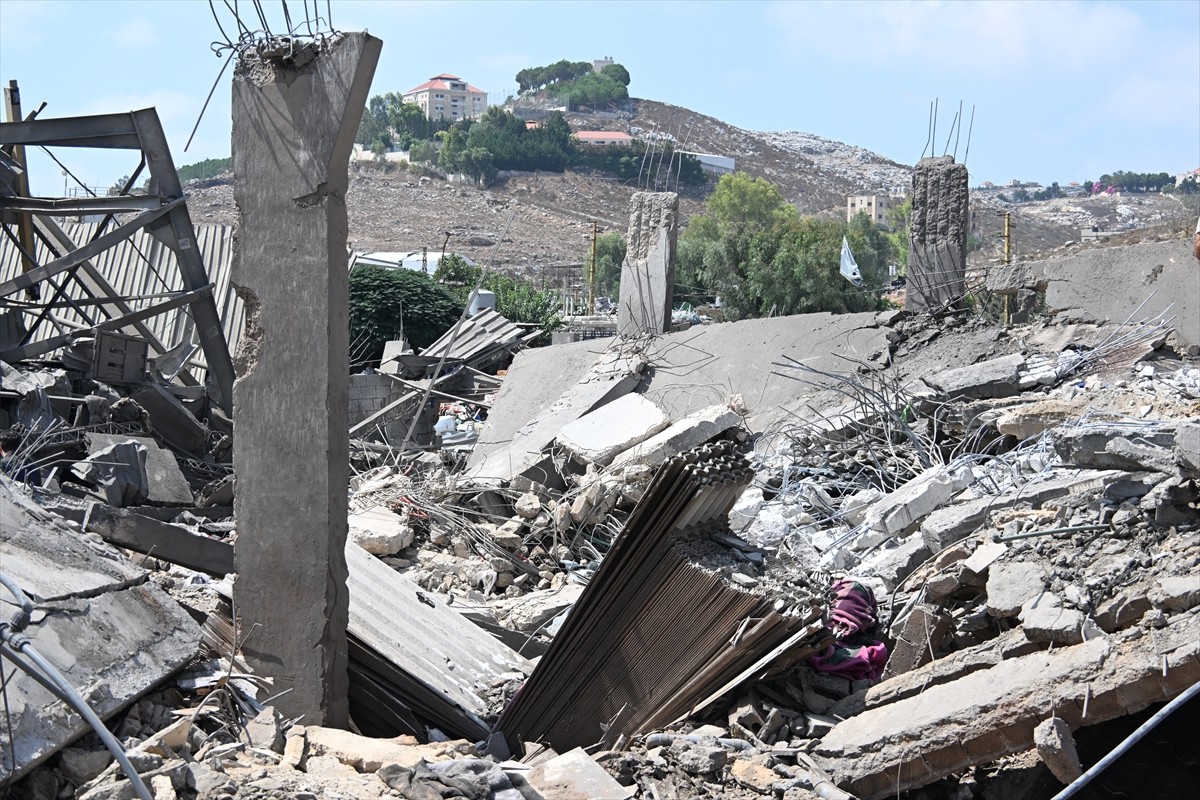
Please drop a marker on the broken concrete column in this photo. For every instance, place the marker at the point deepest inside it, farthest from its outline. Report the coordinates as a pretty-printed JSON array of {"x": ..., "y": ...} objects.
[
  {"x": 648, "y": 274},
  {"x": 294, "y": 120},
  {"x": 937, "y": 244}
]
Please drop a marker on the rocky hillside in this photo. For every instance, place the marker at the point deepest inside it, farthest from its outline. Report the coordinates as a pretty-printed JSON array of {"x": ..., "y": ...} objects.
[{"x": 396, "y": 210}]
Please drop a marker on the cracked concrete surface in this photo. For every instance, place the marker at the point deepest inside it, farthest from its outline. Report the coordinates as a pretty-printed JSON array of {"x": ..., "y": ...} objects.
[{"x": 111, "y": 632}]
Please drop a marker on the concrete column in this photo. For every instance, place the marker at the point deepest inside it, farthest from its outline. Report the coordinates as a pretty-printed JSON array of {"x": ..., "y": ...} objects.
[
  {"x": 294, "y": 120},
  {"x": 648, "y": 273},
  {"x": 937, "y": 249}
]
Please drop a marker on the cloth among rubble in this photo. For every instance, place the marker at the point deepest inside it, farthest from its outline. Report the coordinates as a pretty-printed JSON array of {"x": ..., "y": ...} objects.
[{"x": 854, "y": 655}]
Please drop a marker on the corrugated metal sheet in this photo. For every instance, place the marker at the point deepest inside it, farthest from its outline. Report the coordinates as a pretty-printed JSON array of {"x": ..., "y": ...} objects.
[
  {"x": 142, "y": 267},
  {"x": 661, "y": 630}
]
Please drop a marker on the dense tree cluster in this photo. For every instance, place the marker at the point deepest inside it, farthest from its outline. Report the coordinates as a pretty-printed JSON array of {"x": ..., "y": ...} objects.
[
  {"x": 203, "y": 170},
  {"x": 753, "y": 250},
  {"x": 577, "y": 83},
  {"x": 1134, "y": 181}
]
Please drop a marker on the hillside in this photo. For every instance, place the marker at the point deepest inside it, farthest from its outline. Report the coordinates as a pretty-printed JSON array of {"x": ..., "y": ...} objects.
[{"x": 397, "y": 211}]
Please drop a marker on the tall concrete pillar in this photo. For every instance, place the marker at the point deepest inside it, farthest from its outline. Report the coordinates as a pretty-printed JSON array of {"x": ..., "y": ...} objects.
[
  {"x": 294, "y": 121},
  {"x": 648, "y": 273},
  {"x": 937, "y": 248}
]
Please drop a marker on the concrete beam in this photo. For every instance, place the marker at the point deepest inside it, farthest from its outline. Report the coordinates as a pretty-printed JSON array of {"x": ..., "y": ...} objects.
[{"x": 293, "y": 130}]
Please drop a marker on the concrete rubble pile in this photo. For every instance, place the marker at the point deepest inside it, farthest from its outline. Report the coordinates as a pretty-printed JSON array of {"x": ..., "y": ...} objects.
[{"x": 861, "y": 555}]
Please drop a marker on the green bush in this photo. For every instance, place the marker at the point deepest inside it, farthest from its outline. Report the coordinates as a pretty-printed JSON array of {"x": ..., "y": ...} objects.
[{"x": 388, "y": 303}]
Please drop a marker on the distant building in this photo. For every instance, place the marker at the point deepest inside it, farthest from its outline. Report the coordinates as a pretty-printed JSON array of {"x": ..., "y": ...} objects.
[
  {"x": 603, "y": 138},
  {"x": 716, "y": 165},
  {"x": 874, "y": 206},
  {"x": 416, "y": 260},
  {"x": 449, "y": 97},
  {"x": 600, "y": 63}
]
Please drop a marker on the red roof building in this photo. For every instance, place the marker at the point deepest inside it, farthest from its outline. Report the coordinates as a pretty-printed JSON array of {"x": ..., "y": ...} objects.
[{"x": 449, "y": 97}]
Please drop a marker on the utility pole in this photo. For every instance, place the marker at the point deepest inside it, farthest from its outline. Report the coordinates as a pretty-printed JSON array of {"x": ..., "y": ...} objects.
[
  {"x": 592, "y": 273},
  {"x": 1007, "y": 238}
]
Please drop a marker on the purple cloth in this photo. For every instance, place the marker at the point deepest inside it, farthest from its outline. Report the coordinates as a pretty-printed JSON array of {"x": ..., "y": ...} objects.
[{"x": 852, "y": 616}]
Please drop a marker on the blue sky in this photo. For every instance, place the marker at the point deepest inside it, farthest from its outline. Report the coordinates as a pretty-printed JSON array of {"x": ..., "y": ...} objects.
[{"x": 1062, "y": 90}]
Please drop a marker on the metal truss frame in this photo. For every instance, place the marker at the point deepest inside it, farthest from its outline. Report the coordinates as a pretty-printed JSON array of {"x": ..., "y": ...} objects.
[{"x": 67, "y": 265}]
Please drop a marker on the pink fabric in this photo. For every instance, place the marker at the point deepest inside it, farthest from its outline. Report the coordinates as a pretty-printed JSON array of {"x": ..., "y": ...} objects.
[{"x": 852, "y": 617}]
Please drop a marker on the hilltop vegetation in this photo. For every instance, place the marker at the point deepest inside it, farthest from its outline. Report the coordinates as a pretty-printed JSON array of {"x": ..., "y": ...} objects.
[{"x": 576, "y": 83}]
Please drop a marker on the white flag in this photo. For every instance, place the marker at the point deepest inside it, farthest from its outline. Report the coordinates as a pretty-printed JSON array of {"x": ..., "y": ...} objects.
[{"x": 849, "y": 267}]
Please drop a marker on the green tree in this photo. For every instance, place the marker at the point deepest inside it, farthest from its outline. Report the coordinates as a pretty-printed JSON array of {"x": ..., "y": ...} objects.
[
  {"x": 740, "y": 202},
  {"x": 203, "y": 170},
  {"x": 388, "y": 303},
  {"x": 454, "y": 270},
  {"x": 423, "y": 152},
  {"x": 610, "y": 254},
  {"x": 898, "y": 231}
]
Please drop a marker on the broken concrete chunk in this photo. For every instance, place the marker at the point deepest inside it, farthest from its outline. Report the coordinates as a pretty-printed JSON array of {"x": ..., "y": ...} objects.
[
  {"x": 691, "y": 431},
  {"x": 984, "y": 556},
  {"x": 899, "y": 512},
  {"x": 1011, "y": 585},
  {"x": 598, "y": 437},
  {"x": 380, "y": 531},
  {"x": 1187, "y": 446},
  {"x": 1044, "y": 618},
  {"x": 508, "y": 535},
  {"x": 171, "y": 420},
  {"x": 698, "y": 759},
  {"x": 1056, "y": 747},
  {"x": 893, "y": 565},
  {"x": 1176, "y": 593},
  {"x": 528, "y": 506},
  {"x": 997, "y": 377},
  {"x": 1089, "y": 445},
  {"x": 752, "y": 775},
  {"x": 575, "y": 774}
]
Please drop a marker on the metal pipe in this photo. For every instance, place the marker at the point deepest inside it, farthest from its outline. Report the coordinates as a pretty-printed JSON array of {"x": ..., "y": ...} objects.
[
  {"x": 1030, "y": 534},
  {"x": 1133, "y": 738}
]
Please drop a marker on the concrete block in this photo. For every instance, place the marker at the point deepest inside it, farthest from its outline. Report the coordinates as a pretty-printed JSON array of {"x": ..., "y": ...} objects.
[
  {"x": 173, "y": 423},
  {"x": 119, "y": 470},
  {"x": 1090, "y": 445},
  {"x": 1056, "y": 747},
  {"x": 1187, "y": 446},
  {"x": 166, "y": 482},
  {"x": 997, "y": 377},
  {"x": 993, "y": 711},
  {"x": 893, "y": 565},
  {"x": 1011, "y": 585},
  {"x": 1176, "y": 592},
  {"x": 692, "y": 431},
  {"x": 919, "y": 640},
  {"x": 984, "y": 556},
  {"x": 598, "y": 437},
  {"x": 899, "y": 512},
  {"x": 575, "y": 774}
]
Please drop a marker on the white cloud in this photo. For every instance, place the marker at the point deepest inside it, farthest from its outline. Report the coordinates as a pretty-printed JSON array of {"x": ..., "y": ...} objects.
[{"x": 25, "y": 23}]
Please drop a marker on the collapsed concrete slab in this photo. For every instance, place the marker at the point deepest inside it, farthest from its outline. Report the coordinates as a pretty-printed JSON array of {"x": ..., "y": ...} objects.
[
  {"x": 648, "y": 273},
  {"x": 996, "y": 377},
  {"x": 536, "y": 378},
  {"x": 293, "y": 130},
  {"x": 991, "y": 712},
  {"x": 1107, "y": 284},
  {"x": 110, "y": 631},
  {"x": 614, "y": 374},
  {"x": 599, "y": 436},
  {"x": 706, "y": 365},
  {"x": 692, "y": 431}
]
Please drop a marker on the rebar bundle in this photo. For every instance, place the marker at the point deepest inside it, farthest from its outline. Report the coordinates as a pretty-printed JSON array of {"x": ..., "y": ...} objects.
[{"x": 662, "y": 630}]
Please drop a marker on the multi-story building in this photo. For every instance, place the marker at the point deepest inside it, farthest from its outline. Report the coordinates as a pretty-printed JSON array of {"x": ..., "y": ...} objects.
[
  {"x": 603, "y": 138},
  {"x": 448, "y": 97},
  {"x": 874, "y": 206}
]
